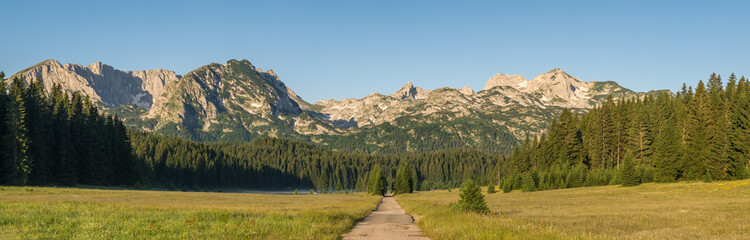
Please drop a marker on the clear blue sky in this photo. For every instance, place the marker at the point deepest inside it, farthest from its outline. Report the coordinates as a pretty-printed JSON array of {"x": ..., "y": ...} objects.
[{"x": 343, "y": 49}]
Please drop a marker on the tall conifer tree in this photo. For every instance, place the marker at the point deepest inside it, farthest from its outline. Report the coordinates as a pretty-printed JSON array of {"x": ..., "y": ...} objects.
[
  {"x": 38, "y": 129},
  {"x": 62, "y": 149},
  {"x": 668, "y": 153},
  {"x": 698, "y": 147},
  {"x": 739, "y": 139},
  {"x": 376, "y": 184},
  {"x": 628, "y": 173},
  {"x": 403, "y": 182},
  {"x": 14, "y": 142}
]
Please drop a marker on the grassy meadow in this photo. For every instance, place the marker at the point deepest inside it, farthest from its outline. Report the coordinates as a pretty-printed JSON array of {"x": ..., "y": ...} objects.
[
  {"x": 717, "y": 210},
  {"x": 75, "y": 213}
]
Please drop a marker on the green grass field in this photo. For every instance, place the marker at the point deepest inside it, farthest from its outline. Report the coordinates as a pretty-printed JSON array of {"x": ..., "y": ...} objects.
[
  {"x": 74, "y": 213},
  {"x": 718, "y": 210}
]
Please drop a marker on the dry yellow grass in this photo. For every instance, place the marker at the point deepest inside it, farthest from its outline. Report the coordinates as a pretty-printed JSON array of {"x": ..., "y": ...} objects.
[
  {"x": 70, "y": 213},
  {"x": 719, "y": 210}
]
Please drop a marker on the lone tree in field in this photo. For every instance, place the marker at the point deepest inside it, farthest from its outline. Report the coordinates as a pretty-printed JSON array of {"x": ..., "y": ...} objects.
[
  {"x": 404, "y": 182},
  {"x": 471, "y": 198},
  {"x": 376, "y": 184},
  {"x": 629, "y": 175}
]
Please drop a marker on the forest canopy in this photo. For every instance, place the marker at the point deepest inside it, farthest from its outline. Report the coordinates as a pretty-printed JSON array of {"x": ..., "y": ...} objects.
[
  {"x": 60, "y": 138},
  {"x": 700, "y": 133}
]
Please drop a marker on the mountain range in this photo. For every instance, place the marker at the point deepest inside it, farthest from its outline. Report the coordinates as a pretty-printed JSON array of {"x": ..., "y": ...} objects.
[{"x": 236, "y": 101}]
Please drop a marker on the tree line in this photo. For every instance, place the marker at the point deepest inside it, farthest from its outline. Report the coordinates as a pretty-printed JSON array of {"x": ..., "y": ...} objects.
[
  {"x": 700, "y": 133},
  {"x": 59, "y": 138},
  {"x": 274, "y": 163}
]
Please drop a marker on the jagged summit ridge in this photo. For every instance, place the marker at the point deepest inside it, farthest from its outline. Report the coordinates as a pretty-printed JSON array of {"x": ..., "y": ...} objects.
[
  {"x": 556, "y": 88},
  {"x": 502, "y": 80},
  {"x": 103, "y": 83},
  {"x": 466, "y": 90},
  {"x": 236, "y": 100},
  {"x": 558, "y": 85},
  {"x": 409, "y": 92}
]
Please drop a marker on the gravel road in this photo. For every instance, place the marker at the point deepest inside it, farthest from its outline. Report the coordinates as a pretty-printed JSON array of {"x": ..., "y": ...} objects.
[{"x": 388, "y": 221}]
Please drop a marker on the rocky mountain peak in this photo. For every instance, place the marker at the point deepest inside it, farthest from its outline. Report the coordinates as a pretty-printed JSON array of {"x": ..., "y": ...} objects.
[
  {"x": 409, "y": 92},
  {"x": 50, "y": 62},
  {"x": 502, "y": 80},
  {"x": 243, "y": 62},
  {"x": 555, "y": 88},
  {"x": 234, "y": 89},
  {"x": 555, "y": 78},
  {"x": 560, "y": 88},
  {"x": 102, "y": 82},
  {"x": 466, "y": 90},
  {"x": 96, "y": 67},
  {"x": 269, "y": 75},
  {"x": 272, "y": 73}
]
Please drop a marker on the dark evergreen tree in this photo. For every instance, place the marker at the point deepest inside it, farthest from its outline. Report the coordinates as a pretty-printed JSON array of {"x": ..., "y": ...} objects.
[
  {"x": 528, "y": 183},
  {"x": 3, "y": 127},
  {"x": 668, "y": 153},
  {"x": 717, "y": 129},
  {"x": 377, "y": 183},
  {"x": 39, "y": 132},
  {"x": 403, "y": 182},
  {"x": 491, "y": 188},
  {"x": 739, "y": 138},
  {"x": 14, "y": 142},
  {"x": 698, "y": 147},
  {"x": 125, "y": 172},
  {"x": 65, "y": 167},
  {"x": 628, "y": 173},
  {"x": 471, "y": 198},
  {"x": 506, "y": 184},
  {"x": 361, "y": 184}
]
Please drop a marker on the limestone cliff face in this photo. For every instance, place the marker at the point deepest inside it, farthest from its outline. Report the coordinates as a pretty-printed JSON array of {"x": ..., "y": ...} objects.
[{"x": 102, "y": 82}]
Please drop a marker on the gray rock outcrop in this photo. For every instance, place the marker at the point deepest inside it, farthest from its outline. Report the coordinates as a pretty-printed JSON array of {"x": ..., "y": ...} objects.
[{"x": 102, "y": 82}]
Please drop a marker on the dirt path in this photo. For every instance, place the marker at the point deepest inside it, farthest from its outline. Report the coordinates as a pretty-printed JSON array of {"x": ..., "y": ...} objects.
[{"x": 389, "y": 221}]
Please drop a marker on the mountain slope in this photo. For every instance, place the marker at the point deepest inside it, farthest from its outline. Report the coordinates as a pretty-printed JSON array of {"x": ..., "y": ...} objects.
[
  {"x": 558, "y": 88},
  {"x": 239, "y": 102},
  {"x": 234, "y": 101},
  {"x": 522, "y": 106}
]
